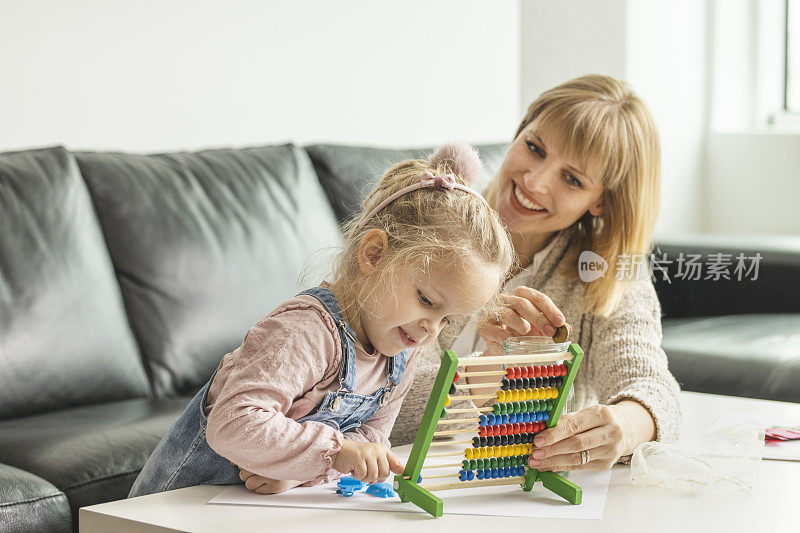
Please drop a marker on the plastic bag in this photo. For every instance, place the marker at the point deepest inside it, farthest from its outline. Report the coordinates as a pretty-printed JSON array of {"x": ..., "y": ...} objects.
[{"x": 722, "y": 461}]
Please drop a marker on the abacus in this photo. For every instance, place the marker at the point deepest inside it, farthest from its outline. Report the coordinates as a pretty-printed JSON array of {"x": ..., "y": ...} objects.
[{"x": 529, "y": 400}]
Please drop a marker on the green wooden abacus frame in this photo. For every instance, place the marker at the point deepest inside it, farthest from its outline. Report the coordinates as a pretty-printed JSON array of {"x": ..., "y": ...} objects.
[{"x": 406, "y": 484}]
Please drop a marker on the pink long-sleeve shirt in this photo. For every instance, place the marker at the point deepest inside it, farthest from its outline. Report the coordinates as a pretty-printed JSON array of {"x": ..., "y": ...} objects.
[{"x": 280, "y": 373}]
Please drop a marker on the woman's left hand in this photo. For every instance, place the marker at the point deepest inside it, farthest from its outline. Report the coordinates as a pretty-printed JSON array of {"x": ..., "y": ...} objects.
[{"x": 594, "y": 438}]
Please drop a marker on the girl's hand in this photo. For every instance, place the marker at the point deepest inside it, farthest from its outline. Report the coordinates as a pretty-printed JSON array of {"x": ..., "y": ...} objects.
[
  {"x": 600, "y": 434},
  {"x": 265, "y": 485},
  {"x": 367, "y": 461},
  {"x": 525, "y": 312}
]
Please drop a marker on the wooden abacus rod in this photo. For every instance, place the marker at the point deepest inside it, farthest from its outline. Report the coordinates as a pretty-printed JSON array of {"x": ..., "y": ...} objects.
[
  {"x": 445, "y": 421},
  {"x": 470, "y": 410},
  {"x": 448, "y": 454},
  {"x": 448, "y": 465},
  {"x": 486, "y": 360},
  {"x": 473, "y": 397},
  {"x": 455, "y": 431},
  {"x": 450, "y": 442},
  {"x": 442, "y": 476},
  {"x": 480, "y": 373},
  {"x": 478, "y": 386},
  {"x": 477, "y": 483}
]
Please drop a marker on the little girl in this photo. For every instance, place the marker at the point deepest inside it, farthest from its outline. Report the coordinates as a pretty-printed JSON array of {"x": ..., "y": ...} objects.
[{"x": 315, "y": 387}]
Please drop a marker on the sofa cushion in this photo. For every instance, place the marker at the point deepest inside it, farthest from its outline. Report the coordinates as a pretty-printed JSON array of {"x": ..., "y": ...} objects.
[
  {"x": 64, "y": 336},
  {"x": 29, "y": 503},
  {"x": 347, "y": 173},
  {"x": 206, "y": 244},
  {"x": 756, "y": 356},
  {"x": 92, "y": 453}
]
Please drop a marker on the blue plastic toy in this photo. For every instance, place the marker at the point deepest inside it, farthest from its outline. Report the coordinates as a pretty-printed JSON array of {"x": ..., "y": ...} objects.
[
  {"x": 381, "y": 490},
  {"x": 349, "y": 485}
]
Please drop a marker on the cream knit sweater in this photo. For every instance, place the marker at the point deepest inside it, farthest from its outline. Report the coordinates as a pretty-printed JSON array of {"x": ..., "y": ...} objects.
[{"x": 623, "y": 356}]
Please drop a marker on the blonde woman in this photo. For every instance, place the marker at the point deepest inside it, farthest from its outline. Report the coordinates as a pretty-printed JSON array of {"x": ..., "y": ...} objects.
[{"x": 582, "y": 174}]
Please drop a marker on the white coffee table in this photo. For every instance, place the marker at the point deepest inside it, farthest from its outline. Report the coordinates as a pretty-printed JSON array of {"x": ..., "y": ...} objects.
[{"x": 772, "y": 506}]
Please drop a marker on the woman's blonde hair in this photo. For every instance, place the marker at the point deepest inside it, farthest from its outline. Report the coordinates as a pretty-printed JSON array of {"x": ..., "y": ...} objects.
[
  {"x": 600, "y": 124},
  {"x": 425, "y": 228}
]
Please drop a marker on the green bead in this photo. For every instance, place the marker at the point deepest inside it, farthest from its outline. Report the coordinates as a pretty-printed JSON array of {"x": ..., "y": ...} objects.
[
  {"x": 506, "y": 461},
  {"x": 518, "y": 407},
  {"x": 493, "y": 462},
  {"x": 444, "y": 413},
  {"x": 478, "y": 464},
  {"x": 530, "y": 406},
  {"x": 505, "y": 409},
  {"x": 496, "y": 409},
  {"x": 465, "y": 464}
]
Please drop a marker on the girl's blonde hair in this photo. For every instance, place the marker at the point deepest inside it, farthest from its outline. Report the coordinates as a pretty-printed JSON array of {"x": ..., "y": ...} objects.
[
  {"x": 599, "y": 123},
  {"x": 427, "y": 227}
]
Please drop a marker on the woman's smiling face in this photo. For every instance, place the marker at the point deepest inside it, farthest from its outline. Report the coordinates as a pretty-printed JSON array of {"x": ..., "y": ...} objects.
[{"x": 541, "y": 191}]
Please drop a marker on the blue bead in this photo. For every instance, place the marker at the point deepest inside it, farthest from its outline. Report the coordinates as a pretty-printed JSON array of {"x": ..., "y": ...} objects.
[
  {"x": 546, "y": 416},
  {"x": 504, "y": 419},
  {"x": 462, "y": 475},
  {"x": 494, "y": 473},
  {"x": 470, "y": 475},
  {"x": 479, "y": 474},
  {"x": 483, "y": 420},
  {"x": 539, "y": 416},
  {"x": 491, "y": 420}
]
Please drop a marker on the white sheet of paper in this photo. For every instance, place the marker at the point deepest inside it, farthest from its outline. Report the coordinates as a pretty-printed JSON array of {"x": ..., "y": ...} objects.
[{"x": 487, "y": 501}]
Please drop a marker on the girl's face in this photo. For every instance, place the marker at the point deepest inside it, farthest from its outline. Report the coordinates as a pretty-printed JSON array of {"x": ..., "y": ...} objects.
[
  {"x": 540, "y": 191},
  {"x": 411, "y": 311}
]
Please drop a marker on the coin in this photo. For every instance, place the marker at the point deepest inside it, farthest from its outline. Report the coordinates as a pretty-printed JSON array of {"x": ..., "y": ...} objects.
[{"x": 562, "y": 333}]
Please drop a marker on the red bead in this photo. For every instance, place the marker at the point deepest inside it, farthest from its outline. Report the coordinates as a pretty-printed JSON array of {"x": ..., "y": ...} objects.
[
  {"x": 482, "y": 431},
  {"x": 550, "y": 370},
  {"x": 537, "y": 371},
  {"x": 564, "y": 370},
  {"x": 529, "y": 372},
  {"x": 528, "y": 427},
  {"x": 456, "y": 377},
  {"x": 495, "y": 431},
  {"x": 509, "y": 373},
  {"x": 503, "y": 429},
  {"x": 517, "y": 372},
  {"x": 516, "y": 429}
]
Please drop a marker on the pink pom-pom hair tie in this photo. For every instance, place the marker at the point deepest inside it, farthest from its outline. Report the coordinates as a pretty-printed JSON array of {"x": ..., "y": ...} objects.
[{"x": 426, "y": 179}]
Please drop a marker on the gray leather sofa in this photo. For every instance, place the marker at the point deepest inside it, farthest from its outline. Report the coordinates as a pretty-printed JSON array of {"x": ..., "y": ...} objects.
[{"x": 124, "y": 279}]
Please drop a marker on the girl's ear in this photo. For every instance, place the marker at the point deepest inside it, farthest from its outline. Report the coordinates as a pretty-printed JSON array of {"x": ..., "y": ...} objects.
[
  {"x": 597, "y": 209},
  {"x": 373, "y": 245}
]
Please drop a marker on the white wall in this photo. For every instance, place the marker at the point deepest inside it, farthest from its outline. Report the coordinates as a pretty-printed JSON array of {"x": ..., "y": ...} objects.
[
  {"x": 658, "y": 47},
  {"x": 667, "y": 66},
  {"x": 563, "y": 40},
  {"x": 185, "y": 74}
]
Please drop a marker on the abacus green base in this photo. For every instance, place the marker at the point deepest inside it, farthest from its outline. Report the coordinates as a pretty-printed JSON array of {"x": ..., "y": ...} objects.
[{"x": 420, "y": 497}]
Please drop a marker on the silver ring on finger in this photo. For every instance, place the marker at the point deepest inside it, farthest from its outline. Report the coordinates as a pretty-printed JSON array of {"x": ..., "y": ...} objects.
[{"x": 584, "y": 457}]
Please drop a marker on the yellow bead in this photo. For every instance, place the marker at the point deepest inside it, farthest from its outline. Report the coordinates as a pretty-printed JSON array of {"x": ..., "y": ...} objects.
[
  {"x": 484, "y": 453},
  {"x": 468, "y": 453},
  {"x": 528, "y": 394},
  {"x": 447, "y": 401}
]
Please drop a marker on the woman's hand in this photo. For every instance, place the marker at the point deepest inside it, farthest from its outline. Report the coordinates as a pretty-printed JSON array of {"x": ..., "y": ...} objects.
[
  {"x": 525, "y": 311},
  {"x": 593, "y": 439},
  {"x": 265, "y": 485}
]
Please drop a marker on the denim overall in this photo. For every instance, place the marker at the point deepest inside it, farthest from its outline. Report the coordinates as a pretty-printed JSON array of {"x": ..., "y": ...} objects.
[{"x": 183, "y": 458}]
